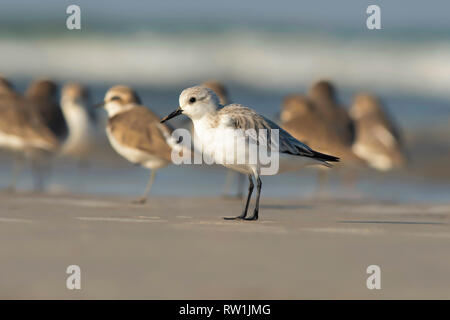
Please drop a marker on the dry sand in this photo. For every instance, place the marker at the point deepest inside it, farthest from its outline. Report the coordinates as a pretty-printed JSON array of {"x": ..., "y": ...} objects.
[{"x": 180, "y": 248}]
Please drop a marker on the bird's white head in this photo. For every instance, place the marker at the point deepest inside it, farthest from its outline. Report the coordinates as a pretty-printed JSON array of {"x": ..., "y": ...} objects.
[
  {"x": 119, "y": 99},
  {"x": 196, "y": 102}
]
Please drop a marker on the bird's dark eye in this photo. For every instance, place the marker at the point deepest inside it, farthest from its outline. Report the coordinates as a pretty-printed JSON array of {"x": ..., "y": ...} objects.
[
  {"x": 115, "y": 98},
  {"x": 192, "y": 100}
]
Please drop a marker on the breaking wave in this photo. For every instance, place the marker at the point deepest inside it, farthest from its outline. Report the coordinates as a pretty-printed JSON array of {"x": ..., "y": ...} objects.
[{"x": 260, "y": 59}]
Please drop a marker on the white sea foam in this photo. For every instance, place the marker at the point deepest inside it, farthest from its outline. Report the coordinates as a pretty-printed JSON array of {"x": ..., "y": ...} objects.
[{"x": 259, "y": 59}]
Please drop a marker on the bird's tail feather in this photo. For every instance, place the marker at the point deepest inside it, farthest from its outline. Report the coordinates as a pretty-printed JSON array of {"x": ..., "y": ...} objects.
[{"x": 324, "y": 158}]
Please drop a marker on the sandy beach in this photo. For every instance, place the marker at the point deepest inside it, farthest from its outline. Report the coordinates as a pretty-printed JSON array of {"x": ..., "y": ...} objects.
[{"x": 181, "y": 248}]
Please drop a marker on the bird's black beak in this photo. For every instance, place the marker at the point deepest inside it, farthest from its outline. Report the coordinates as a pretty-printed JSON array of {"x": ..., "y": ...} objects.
[
  {"x": 173, "y": 115},
  {"x": 100, "y": 104}
]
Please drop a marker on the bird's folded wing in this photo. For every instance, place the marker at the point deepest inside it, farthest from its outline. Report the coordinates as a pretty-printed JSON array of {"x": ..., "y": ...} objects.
[
  {"x": 17, "y": 119},
  {"x": 140, "y": 128},
  {"x": 244, "y": 118}
]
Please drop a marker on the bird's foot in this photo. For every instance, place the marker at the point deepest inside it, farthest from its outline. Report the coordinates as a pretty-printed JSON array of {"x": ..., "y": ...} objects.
[
  {"x": 254, "y": 217},
  {"x": 241, "y": 217}
]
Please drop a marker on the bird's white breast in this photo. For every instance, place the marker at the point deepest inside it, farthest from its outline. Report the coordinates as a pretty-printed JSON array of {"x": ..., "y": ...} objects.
[
  {"x": 18, "y": 143},
  {"x": 376, "y": 159},
  {"x": 11, "y": 142},
  {"x": 82, "y": 132},
  {"x": 220, "y": 143}
]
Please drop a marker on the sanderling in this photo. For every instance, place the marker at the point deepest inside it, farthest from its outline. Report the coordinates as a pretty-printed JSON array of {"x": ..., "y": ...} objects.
[
  {"x": 378, "y": 140},
  {"x": 81, "y": 122},
  {"x": 216, "y": 126},
  {"x": 22, "y": 129},
  {"x": 224, "y": 98},
  {"x": 136, "y": 133}
]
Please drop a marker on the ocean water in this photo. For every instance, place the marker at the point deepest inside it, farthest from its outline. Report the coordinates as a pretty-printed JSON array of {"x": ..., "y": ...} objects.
[{"x": 260, "y": 58}]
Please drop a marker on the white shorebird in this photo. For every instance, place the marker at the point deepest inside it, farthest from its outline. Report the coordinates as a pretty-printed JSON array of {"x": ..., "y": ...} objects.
[
  {"x": 215, "y": 126},
  {"x": 81, "y": 122},
  {"x": 23, "y": 131},
  {"x": 224, "y": 98},
  {"x": 378, "y": 139},
  {"x": 136, "y": 133}
]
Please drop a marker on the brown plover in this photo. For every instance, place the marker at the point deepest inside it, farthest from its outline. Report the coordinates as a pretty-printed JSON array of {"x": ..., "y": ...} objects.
[{"x": 136, "y": 133}]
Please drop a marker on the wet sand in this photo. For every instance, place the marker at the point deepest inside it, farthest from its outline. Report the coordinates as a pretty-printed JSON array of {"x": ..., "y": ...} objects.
[{"x": 180, "y": 248}]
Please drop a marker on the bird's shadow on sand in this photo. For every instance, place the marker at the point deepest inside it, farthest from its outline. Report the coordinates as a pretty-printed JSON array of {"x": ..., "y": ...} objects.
[
  {"x": 285, "y": 207},
  {"x": 391, "y": 222}
]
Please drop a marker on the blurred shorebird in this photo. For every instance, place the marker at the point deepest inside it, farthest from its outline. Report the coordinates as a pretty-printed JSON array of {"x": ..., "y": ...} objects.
[
  {"x": 378, "y": 139},
  {"x": 81, "y": 121},
  {"x": 301, "y": 118},
  {"x": 340, "y": 127},
  {"x": 215, "y": 128},
  {"x": 136, "y": 133},
  {"x": 23, "y": 131},
  {"x": 307, "y": 122},
  {"x": 323, "y": 95},
  {"x": 222, "y": 93},
  {"x": 42, "y": 96}
]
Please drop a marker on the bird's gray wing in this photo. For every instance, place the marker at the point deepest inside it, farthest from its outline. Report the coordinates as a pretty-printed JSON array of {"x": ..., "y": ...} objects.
[{"x": 241, "y": 117}]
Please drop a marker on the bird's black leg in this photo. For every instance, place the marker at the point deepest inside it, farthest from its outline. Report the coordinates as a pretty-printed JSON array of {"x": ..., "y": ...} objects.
[
  {"x": 250, "y": 191},
  {"x": 258, "y": 194}
]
